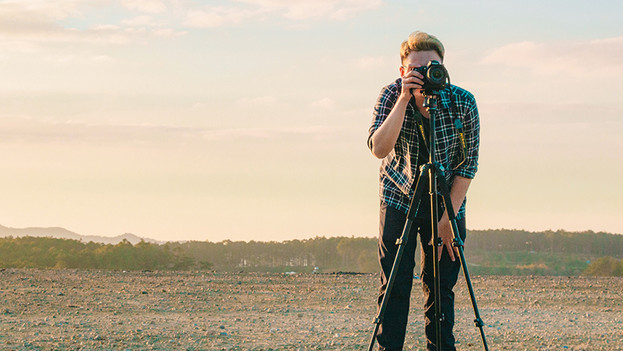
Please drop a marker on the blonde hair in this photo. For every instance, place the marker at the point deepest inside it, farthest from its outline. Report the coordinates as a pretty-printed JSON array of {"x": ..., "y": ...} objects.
[{"x": 421, "y": 41}]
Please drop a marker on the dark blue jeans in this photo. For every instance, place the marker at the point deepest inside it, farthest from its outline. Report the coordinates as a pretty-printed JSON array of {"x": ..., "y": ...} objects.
[{"x": 391, "y": 335}]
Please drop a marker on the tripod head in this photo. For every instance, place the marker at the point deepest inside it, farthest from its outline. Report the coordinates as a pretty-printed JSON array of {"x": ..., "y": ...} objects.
[{"x": 431, "y": 99}]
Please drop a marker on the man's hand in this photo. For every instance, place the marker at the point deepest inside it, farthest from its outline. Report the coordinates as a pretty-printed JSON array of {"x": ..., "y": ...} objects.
[
  {"x": 411, "y": 84},
  {"x": 446, "y": 234}
]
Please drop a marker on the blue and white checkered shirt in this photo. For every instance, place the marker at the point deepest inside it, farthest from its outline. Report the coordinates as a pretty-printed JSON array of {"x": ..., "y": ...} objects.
[{"x": 399, "y": 169}]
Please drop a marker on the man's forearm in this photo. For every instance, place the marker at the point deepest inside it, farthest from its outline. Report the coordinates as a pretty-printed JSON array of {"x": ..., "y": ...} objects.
[
  {"x": 386, "y": 135},
  {"x": 458, "y": 193}
]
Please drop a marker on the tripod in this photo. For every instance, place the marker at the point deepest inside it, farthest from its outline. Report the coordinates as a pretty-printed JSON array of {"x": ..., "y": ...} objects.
[{"x": 432, "y": 173}]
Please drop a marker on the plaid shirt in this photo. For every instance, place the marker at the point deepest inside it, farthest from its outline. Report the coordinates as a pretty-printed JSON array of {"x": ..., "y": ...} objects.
[{"x": 399, "y": 169}]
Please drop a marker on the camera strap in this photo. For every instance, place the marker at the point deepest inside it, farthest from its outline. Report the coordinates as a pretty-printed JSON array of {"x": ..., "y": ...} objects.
[
  {"x": 457, "y": 123},
  {"x": 421, "y": 128}
]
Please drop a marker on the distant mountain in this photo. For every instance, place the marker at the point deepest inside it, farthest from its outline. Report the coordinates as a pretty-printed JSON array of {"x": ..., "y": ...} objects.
[{"x": 62, "y": 233}]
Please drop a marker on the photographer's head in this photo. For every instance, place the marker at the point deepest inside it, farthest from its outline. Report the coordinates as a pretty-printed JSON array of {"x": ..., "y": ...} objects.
[
  {"x": 421, "y": 41},
  {"x": 417, "y": 51}
]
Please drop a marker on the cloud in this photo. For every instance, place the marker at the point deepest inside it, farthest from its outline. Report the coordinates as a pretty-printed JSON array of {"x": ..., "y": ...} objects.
[
  {"x": 145, "y": 6},
  {"x": 583, "y": 58},
  {"x": 369, "y": 62},
  {"x": 262, "y": 101},
  {"x": 316, "y": 9},
  {"x": 28, "y": 24},
  {"x": 27, "y": 20},
  {"x": 216, "y": 16},
  {"x": 51, "y": 34},
  {"x": 211, "y": 17},
  {"x": 325, "y": 104},
  {"x": 24, "y": 129},
  {"x": 265, "y": 133},
  {"x": 141, "y": 21},
  {"x": 169, "y": 33},
  {"x": 27, "y": 10},
  {"x": 150, "y": 24},
  {"x": 74, "y": 21},
  {"x": 28, "y": 130}
]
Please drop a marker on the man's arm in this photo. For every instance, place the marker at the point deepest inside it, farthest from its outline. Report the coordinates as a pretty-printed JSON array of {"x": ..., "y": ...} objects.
[
  {"x": 383, "y": 139},
  {"x": 463, "y": 174},
  {"x": 458, "y": 194}
]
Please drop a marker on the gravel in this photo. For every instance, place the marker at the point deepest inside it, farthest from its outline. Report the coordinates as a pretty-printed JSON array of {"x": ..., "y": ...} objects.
[{"x": 117, "y": 310}]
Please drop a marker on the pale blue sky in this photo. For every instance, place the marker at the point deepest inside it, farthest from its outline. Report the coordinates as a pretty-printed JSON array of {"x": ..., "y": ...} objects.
[{"x": 241, "y": 120}]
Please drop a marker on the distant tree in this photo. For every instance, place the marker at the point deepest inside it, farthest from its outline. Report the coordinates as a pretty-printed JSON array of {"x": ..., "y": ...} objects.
[{"x": 605, "y": 267}]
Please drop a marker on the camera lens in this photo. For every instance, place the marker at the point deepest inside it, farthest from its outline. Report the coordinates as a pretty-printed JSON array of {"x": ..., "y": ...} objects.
[{"x": 436, "y": 74}]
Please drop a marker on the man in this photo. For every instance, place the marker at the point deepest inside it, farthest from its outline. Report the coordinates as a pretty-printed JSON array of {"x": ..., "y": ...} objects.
[{"x": 399, "y": 136}]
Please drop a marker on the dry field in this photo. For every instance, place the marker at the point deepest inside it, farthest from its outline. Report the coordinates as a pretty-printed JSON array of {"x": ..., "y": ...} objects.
[{"x": 101, "y": 310}]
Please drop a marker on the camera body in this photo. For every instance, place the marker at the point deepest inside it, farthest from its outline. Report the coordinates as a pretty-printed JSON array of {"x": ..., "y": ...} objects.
[{"x": 435, "y": 76}]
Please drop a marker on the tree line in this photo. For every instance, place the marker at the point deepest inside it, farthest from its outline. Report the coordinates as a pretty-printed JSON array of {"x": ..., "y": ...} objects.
[
  {"x": 587, "y": 242},
  {"x": 487, "y": 252},
  {"x": 44, "y": 252}
]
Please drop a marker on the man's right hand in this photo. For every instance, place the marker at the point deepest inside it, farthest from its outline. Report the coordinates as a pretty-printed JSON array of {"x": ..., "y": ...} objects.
[{"x": 411, "y": 84}]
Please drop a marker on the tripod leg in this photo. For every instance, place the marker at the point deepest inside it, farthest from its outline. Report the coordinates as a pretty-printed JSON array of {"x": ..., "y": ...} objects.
[
  {"x": 457, "y": 242},
  {"x": 436, "y": 242},
  {"x": 402, "y": 243}
]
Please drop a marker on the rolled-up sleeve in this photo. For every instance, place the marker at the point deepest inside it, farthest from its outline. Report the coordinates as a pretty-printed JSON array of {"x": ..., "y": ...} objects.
[
  {"x": 385, "y": 102},
  {"x": 471, "y": 134}
]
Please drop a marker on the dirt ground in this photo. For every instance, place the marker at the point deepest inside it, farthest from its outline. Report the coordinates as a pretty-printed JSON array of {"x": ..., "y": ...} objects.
[{"x": 103, "y": 310}]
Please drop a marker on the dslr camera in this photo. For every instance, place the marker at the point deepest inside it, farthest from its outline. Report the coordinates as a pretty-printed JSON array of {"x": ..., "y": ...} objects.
[{"x": 435, "y": 76}]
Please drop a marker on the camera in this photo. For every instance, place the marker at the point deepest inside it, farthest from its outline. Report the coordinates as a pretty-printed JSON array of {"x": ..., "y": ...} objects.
[{"x": 435, "y": 76}]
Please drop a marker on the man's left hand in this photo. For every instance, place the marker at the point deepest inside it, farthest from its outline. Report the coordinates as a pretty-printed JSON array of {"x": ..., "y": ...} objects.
[{"x": 446, "y": 234}]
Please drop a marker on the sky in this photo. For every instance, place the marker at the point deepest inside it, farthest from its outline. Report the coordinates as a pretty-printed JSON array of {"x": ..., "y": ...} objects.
[{"x": 247, "y": 119}]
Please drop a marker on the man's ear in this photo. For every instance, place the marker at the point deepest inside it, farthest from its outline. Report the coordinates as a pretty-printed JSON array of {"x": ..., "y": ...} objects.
[{"x": 402, "y": 71}]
